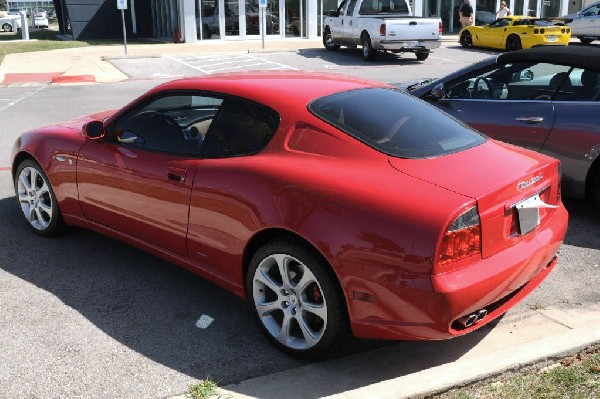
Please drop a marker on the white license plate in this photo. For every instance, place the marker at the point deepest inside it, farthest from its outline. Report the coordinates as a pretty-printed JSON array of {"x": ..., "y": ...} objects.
[
  {"x": 529, "y": 214},
  {"x": 551, "y": 38}
]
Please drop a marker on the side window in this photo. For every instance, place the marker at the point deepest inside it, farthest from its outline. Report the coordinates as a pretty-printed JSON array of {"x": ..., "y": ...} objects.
[
  {"x": 593, "y": 10},
  {"x": 341, "y": 8},
  {"x": 585, "y": 85},
  {"x": 240, "y": 128},
  {"x": 173, "y": 123},
  {"x": 519, "y": 81},
  {"x": 351, "y": 5}
]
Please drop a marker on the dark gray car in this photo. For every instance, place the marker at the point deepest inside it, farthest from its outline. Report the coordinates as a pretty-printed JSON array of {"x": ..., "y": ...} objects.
[{"x": 546, "y": 99}]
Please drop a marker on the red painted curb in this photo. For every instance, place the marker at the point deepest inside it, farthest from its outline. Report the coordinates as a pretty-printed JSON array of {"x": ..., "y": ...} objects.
[
  {"x": 42, "y": 77},
  {"x": 73, "y": 78},
  {"x": 4, "y": 168}
]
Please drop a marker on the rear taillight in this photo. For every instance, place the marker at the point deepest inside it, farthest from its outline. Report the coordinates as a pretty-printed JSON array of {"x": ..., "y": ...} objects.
[
  {"x": 382, "y": 29},
  {"x": 440, "y": 28},
  {"x": 462, "y": 239}
]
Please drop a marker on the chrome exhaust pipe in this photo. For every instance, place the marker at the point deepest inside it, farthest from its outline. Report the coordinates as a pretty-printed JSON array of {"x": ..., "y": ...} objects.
[
  {"x": 473, "y": 318},
  {"x": 481, "y": 314},
  {"x": 468, "y": 320}
]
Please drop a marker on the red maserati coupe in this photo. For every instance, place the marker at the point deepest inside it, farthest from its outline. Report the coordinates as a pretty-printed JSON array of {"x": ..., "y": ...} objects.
[{"x": 334, "y": 205}]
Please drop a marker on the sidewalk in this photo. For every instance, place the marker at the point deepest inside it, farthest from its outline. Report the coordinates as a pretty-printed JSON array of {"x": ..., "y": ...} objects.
[
  {"x": 416, "y": 369},
  {"x": 90, "y": 64}
]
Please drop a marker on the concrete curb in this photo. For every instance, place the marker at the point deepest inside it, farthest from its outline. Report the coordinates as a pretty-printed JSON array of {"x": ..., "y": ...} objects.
[{"x": 429, "y": 381}]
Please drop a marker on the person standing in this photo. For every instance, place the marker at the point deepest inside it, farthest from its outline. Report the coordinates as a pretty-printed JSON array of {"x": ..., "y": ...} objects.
[
  {"x": 504, "y": 11},
  {"x": 466, "y": 14}
]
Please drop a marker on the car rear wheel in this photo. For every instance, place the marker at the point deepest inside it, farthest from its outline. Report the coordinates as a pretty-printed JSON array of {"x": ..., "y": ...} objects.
[
  {"x": 422, "y": 55},
  {"x": 296, "y": 300},
  {"x": 585, "y": 40},
  {"x": 513, "y": 43},
  {"x": 367, "y": 48},
  {"x": 466, "y": 40},
  {"x": 7, "y": 27},
  {"x": 328, "y": 42},
  {"x": 37, "y": 200}
]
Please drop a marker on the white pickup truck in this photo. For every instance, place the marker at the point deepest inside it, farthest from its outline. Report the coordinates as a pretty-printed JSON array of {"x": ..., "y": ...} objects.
[{"x": 381, "y": 25}]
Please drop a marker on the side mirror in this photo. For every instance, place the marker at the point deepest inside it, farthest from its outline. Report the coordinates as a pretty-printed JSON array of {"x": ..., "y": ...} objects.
[
  {"x": 93, "y": 130},
  {"x": 437, "y": 92},
  {"x": 333, "y": 13}
]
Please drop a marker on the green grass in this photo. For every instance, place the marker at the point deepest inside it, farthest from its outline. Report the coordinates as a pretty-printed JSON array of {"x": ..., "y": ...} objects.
[
  {"x": 10, "y": 42},
  {"x": 203, "y": 390},
  {"x": 577, "y": 377},
  {"x": 47, "y": 39}
]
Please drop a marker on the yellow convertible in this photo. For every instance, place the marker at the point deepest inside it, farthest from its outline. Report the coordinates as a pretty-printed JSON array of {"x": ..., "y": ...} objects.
[{"x": 516, "y": 32}]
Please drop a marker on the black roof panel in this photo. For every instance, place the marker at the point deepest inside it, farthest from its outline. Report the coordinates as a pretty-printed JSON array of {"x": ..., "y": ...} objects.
[{"x": 587, "y": 57}]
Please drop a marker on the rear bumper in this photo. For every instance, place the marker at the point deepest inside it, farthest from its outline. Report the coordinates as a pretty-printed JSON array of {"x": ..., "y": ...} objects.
[
  {"x": 408, "y": 45},
  {"x": 415, "y": 310}
]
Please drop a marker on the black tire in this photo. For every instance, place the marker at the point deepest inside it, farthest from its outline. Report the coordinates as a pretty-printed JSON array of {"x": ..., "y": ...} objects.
[
  {"x": 466, "y": 40},
  {"x": 422, "y": 55},
  {"x": 585, "y": 40},
  {"x": 37, "y": 200},
  {"x": 367, "y": 48},
  {"x": 593, "y": 192},
  {"x": 328, "y": 42},
  {"x": 513, "y": 43},
  {"x": 7, "y": 27},
  {"x": 318, "y": 305}
]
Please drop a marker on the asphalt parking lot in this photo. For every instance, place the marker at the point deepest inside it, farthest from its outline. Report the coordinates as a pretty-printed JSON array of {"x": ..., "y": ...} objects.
[{"x": 82, "y": 315}]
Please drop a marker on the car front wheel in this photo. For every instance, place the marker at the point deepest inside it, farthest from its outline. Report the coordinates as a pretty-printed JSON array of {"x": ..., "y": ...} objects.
[
  {"x": 36, "y": 199},
  {"x": 296, "y": 300},
  {"x": 466, "y": 40}
]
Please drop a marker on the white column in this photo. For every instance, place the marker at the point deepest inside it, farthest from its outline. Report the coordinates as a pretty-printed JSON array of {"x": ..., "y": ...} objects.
[
  {"x": 312, "y": 18},
  {"x": 417, "y": 8},
  {"x": 188, "y": 17}
]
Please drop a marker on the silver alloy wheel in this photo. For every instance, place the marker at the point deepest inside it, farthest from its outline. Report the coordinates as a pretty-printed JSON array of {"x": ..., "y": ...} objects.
[
  {"x": 289, "y": 301},
  {"x": 35, "y": 198}
]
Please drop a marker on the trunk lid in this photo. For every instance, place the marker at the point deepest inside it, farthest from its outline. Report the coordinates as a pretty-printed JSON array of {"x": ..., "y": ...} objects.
[{"x": 503, "y": 179}]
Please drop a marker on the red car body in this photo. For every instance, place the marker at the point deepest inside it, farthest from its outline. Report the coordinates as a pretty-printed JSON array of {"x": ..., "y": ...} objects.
[{"x": 377, "y": 220}]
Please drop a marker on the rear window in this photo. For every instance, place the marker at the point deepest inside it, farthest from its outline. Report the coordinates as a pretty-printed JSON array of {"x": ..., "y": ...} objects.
[
  {"x": 383, "y": 6},
  {"x": 395, "y": 123}
]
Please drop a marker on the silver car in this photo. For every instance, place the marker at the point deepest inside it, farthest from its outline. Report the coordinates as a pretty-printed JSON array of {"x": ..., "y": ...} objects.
[{"x": 585, "y": 25}]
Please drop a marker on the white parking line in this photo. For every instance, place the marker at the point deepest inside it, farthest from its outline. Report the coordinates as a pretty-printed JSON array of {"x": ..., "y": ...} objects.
[
  {"x": 214, "y": 64},
  {"x": 18, "y": 100}
]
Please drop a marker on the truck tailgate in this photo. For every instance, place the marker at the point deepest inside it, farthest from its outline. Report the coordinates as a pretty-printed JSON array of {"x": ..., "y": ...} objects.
[{"x": 412, "y": 29}]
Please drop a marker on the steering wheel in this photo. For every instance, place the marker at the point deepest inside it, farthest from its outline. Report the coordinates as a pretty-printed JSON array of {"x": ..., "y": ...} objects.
[{"x": 482, "y": 92}]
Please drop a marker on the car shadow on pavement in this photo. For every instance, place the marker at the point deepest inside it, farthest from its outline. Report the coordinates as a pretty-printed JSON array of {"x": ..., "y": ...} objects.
[
  {"x": 348, "y": 57},
  {"x": 151, "y": 307},
  {"x": 584, "y": 224}
]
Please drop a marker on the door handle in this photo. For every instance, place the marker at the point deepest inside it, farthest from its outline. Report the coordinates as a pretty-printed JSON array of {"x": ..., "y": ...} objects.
[
  {"x": 530, "y": 119},
  {"x": 176, "y": 174}
]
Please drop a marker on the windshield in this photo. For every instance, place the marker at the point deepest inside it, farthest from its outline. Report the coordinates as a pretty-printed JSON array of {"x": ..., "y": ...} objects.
[{"x": 395, "y": 123}]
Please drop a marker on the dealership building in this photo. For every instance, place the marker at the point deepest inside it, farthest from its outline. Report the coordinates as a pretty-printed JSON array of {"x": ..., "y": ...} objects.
[{"x": 197, "y": 20}]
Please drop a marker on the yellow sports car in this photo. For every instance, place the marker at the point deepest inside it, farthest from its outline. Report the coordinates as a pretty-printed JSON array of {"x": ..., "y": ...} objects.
[{"x": 517, "y": 32}]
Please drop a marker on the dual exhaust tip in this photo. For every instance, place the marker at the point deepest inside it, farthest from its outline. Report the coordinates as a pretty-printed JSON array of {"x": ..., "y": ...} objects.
[{"x": 472, "y": 319}]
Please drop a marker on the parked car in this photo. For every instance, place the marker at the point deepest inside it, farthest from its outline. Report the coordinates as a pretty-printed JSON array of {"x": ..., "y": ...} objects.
[
  {"x": 516, "y": 32},
  {"x": 10, "y": 23},
  {"x": 585, "y": 25},
  {"x": 381, "y": 26},
  {"x": 40, "y": 20},
  {"x": 332, "y": 204},
  {"x": 545, "y": 99}
]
